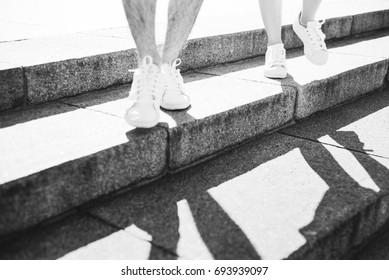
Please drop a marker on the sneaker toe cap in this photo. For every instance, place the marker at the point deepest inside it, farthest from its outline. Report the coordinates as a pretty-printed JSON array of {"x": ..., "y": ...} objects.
[
  {"x": 175, "y": 101},
  {"x": 275, "y": 72},
  {"x": 142, "y": 115},
  {"x": 319, "y": 57}
]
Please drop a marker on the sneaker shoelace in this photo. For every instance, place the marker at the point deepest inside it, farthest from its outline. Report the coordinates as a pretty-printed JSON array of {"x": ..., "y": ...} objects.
[
  {"x": 316, "y": 35},
  {"x": 146, "y": 83},
  {"x": 175, "y": 82}
]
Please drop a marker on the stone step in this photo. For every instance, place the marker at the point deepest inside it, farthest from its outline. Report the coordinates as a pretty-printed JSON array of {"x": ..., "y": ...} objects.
[
  {"x": 62, "y": 154},
  {"x": 38, "y": 70},
  {"x": 314, "y": 190}
]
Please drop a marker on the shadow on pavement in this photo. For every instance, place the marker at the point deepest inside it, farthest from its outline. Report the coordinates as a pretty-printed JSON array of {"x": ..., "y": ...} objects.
[{"x": 153, "y": 208}]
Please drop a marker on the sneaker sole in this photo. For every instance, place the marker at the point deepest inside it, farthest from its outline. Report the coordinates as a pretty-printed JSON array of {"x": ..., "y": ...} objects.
[
  {"x": 280, "y": 76},
  {"x": 319, "y": 61},
  {"x": 275, "y": 77},
  {"x": 175, "y": 107},
  {"x": 141, "y": 124}
]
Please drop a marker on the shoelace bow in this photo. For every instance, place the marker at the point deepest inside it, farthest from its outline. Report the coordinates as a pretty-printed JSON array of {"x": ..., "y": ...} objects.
[
  {"x": 147, "y": 82},
  {"x": 316, "y": 35}
]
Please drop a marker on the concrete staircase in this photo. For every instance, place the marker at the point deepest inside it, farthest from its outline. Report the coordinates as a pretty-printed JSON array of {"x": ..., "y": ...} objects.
[{"x": 61, "y": 151}]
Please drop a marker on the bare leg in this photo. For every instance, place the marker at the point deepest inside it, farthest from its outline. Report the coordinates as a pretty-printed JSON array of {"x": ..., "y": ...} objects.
[
  {"x": 310, "y": 8},
  {"x": 141, "y": 19},
  {"x": 271, "y": 11},
  {"x": 182, "y": 16}
]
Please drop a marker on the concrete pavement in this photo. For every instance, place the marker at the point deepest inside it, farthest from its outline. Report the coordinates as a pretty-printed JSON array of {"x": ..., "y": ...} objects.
[
  {"x": 22, "y": 19},
  {"x": 313, "y": 190},
  {"x": 69, "y": 158},
  {"x": 60, "y": 155},
  {"x": 78, "y": 59}
]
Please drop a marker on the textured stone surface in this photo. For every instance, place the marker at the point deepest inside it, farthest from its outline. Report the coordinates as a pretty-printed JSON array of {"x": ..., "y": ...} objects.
[
  {"x": 276, "y": 197},
  {"x": 248, "y": 109},
  {"x": 224, "y": 112},
  {"x": 372, "y": 44},
  {"x": 55, "y": 240},
  {"x": 70, "y": 64},
  {"x": 355, "y": 232},
  {"x": 353, "y": 69},
  {"x": 348, "y": 74},
  {"x": 206, "y": 128},
  {"x": 67, "y": 65},
  {"x": 46, "y": 81},
  {"x": 241, "y": 45},
  {"x": 214, "y": 50},
  {"x": 375, "y": 249},
  {"x": 337, "y": 89},
  {"x": 337, "y": 27},
  {"x": 56, "y": 162},
  {"x": 361, "y": 125},
  {"x": 370, "y": 21},
  {"x": 79, "y": 237},
  {"x": 11, "y": 86}
]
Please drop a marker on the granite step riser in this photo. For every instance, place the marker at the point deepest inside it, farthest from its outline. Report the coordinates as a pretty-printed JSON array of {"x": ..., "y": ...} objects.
[
  {"x": 356, "y": 231},
  {"x": 30, "y": 200},
  {"x": 41, "y": 83}
]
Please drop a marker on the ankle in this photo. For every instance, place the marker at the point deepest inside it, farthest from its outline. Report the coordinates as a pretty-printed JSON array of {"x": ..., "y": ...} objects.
[
  {"x": 304, "y": 19},
  {"x": 169, "y": 58},
  {"x": 156, "y": 59},
  {"x": 274, "y": 42}
]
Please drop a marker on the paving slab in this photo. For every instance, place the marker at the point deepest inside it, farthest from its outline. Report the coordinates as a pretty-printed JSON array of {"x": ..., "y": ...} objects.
[
  {"x": 14, "y": 31},
  {"x": 375, "y": 249},
  {"x": 78, "y": 237},
  {"x": 11, "y": 86},
  {"x": 277, "y": 197},
  {"x": 56, "y": 157},
  {"x": 348, "y": 74},
  {"x": 361, "y": 125},
  {"x": 224, "y": 112},
  {"x": 50, "y": 17},
  {"x": 56, "y": 240},
  {"x": 216, "y": 17},
  {"x": 371, "y": 45},
  {"x": 252, "y": 105},
  {"x": 376, "y": 20},
  {"x": 70, "y": 64}
]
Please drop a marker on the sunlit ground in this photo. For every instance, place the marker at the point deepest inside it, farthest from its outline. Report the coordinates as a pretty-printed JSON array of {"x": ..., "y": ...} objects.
[{"x": 22, "y": 19}]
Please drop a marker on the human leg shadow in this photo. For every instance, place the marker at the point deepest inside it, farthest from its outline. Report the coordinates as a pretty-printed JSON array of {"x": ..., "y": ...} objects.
[
  {"x": 345, "y": 198},
  {"x": 378, "y": 172},
  {"x": 153, "y": 208},
  {"x": 222, "y": 236}
]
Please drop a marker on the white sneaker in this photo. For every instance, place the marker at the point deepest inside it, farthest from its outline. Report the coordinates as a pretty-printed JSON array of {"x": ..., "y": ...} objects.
[
  {"x": 275, "y": 62},
  {"x": 145, "y": 95},
  {"x": 174, "y": 97},
  {"x": 313, "y": 38}
]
